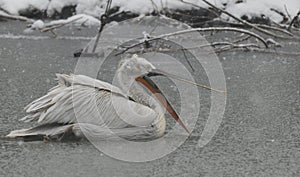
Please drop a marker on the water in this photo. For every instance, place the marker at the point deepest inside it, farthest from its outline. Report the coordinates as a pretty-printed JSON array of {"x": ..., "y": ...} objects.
[{"x": 259, "y": 134}]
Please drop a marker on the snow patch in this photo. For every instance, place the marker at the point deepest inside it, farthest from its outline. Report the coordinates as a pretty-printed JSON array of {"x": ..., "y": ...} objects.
[
  {"x": 14, "y": 6},
  {"x": 256, "y": 8},
  {"x": 80, "y": 20},
  {"x": 39, "y": 24}
]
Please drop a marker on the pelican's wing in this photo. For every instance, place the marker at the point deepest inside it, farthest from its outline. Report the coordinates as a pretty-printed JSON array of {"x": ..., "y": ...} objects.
[{"x": 81, "y": 99}]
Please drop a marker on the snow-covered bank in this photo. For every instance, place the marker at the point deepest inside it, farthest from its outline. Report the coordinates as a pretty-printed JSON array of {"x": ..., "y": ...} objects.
[
  {"x": 274, "y": 10},
  {"x": 267, "y": 8}
]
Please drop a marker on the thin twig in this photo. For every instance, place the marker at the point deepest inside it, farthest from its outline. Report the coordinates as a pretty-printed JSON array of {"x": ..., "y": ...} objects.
[
  {"x": 155, "y": 7},
  {"x": 247, "y": 47},
  {"x": 287, "y": 12},
  {"x": 54, "y": 34},
  {"x": 265, "y": 51},
  {"x": 241, "y": 39},
  {"x": 228, "y": 47},
  {"x": 276, "y": 29},
  {"x": 197, "y": 84},
  {"x": 279, "y": 28},
  {"x": 83, "y": 23},
  {"x": 294, "y": 20}
]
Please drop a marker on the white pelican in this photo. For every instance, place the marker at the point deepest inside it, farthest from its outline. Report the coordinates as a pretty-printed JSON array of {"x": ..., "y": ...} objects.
[{"x": 81, "y": 106}]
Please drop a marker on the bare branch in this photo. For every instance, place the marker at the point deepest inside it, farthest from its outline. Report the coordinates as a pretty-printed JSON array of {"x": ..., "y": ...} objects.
[
  {"x": 242, "y": 39},
  {"x": 247, "y": 47},
  {"x": 155, "y": 7},
  {"x": 294, "y": 20},
  {"x": 199, "y": 30},
  {"x": 178, "y": 49},
  {"x": 287, "y": 12},
  {"x": 276, "y": 29},
  {"x": 224, "y": 46}
]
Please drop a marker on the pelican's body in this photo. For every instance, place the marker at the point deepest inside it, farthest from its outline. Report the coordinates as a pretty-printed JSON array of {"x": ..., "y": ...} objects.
[{"x": 86, "y": 107}]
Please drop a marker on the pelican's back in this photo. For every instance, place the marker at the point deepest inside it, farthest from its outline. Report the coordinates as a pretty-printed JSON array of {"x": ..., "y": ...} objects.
[{"x": 86, "y": 106}]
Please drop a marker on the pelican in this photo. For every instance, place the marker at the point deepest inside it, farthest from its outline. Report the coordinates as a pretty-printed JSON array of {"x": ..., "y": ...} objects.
[{"x": 82, "y": 107}]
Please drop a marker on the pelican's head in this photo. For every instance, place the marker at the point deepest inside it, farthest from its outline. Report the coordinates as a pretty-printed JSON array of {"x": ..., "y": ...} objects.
[
  {"x": 136, "y": 70},
  {"x": 133, "y": 67}
]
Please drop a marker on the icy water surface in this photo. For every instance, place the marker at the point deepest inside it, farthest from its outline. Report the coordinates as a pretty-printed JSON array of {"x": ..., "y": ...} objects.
[{"x": 259, "y": 134}]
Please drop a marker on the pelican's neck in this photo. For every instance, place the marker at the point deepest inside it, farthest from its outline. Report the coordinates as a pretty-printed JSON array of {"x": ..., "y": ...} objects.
[
  {"x": 134, "y": 90},
  {"x": 141, "y": 96}
]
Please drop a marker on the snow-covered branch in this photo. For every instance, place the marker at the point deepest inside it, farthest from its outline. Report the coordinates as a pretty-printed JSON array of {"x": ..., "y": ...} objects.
[
  {"x": 79, "y": 20},
  {"x": 7, "y": 16}
]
